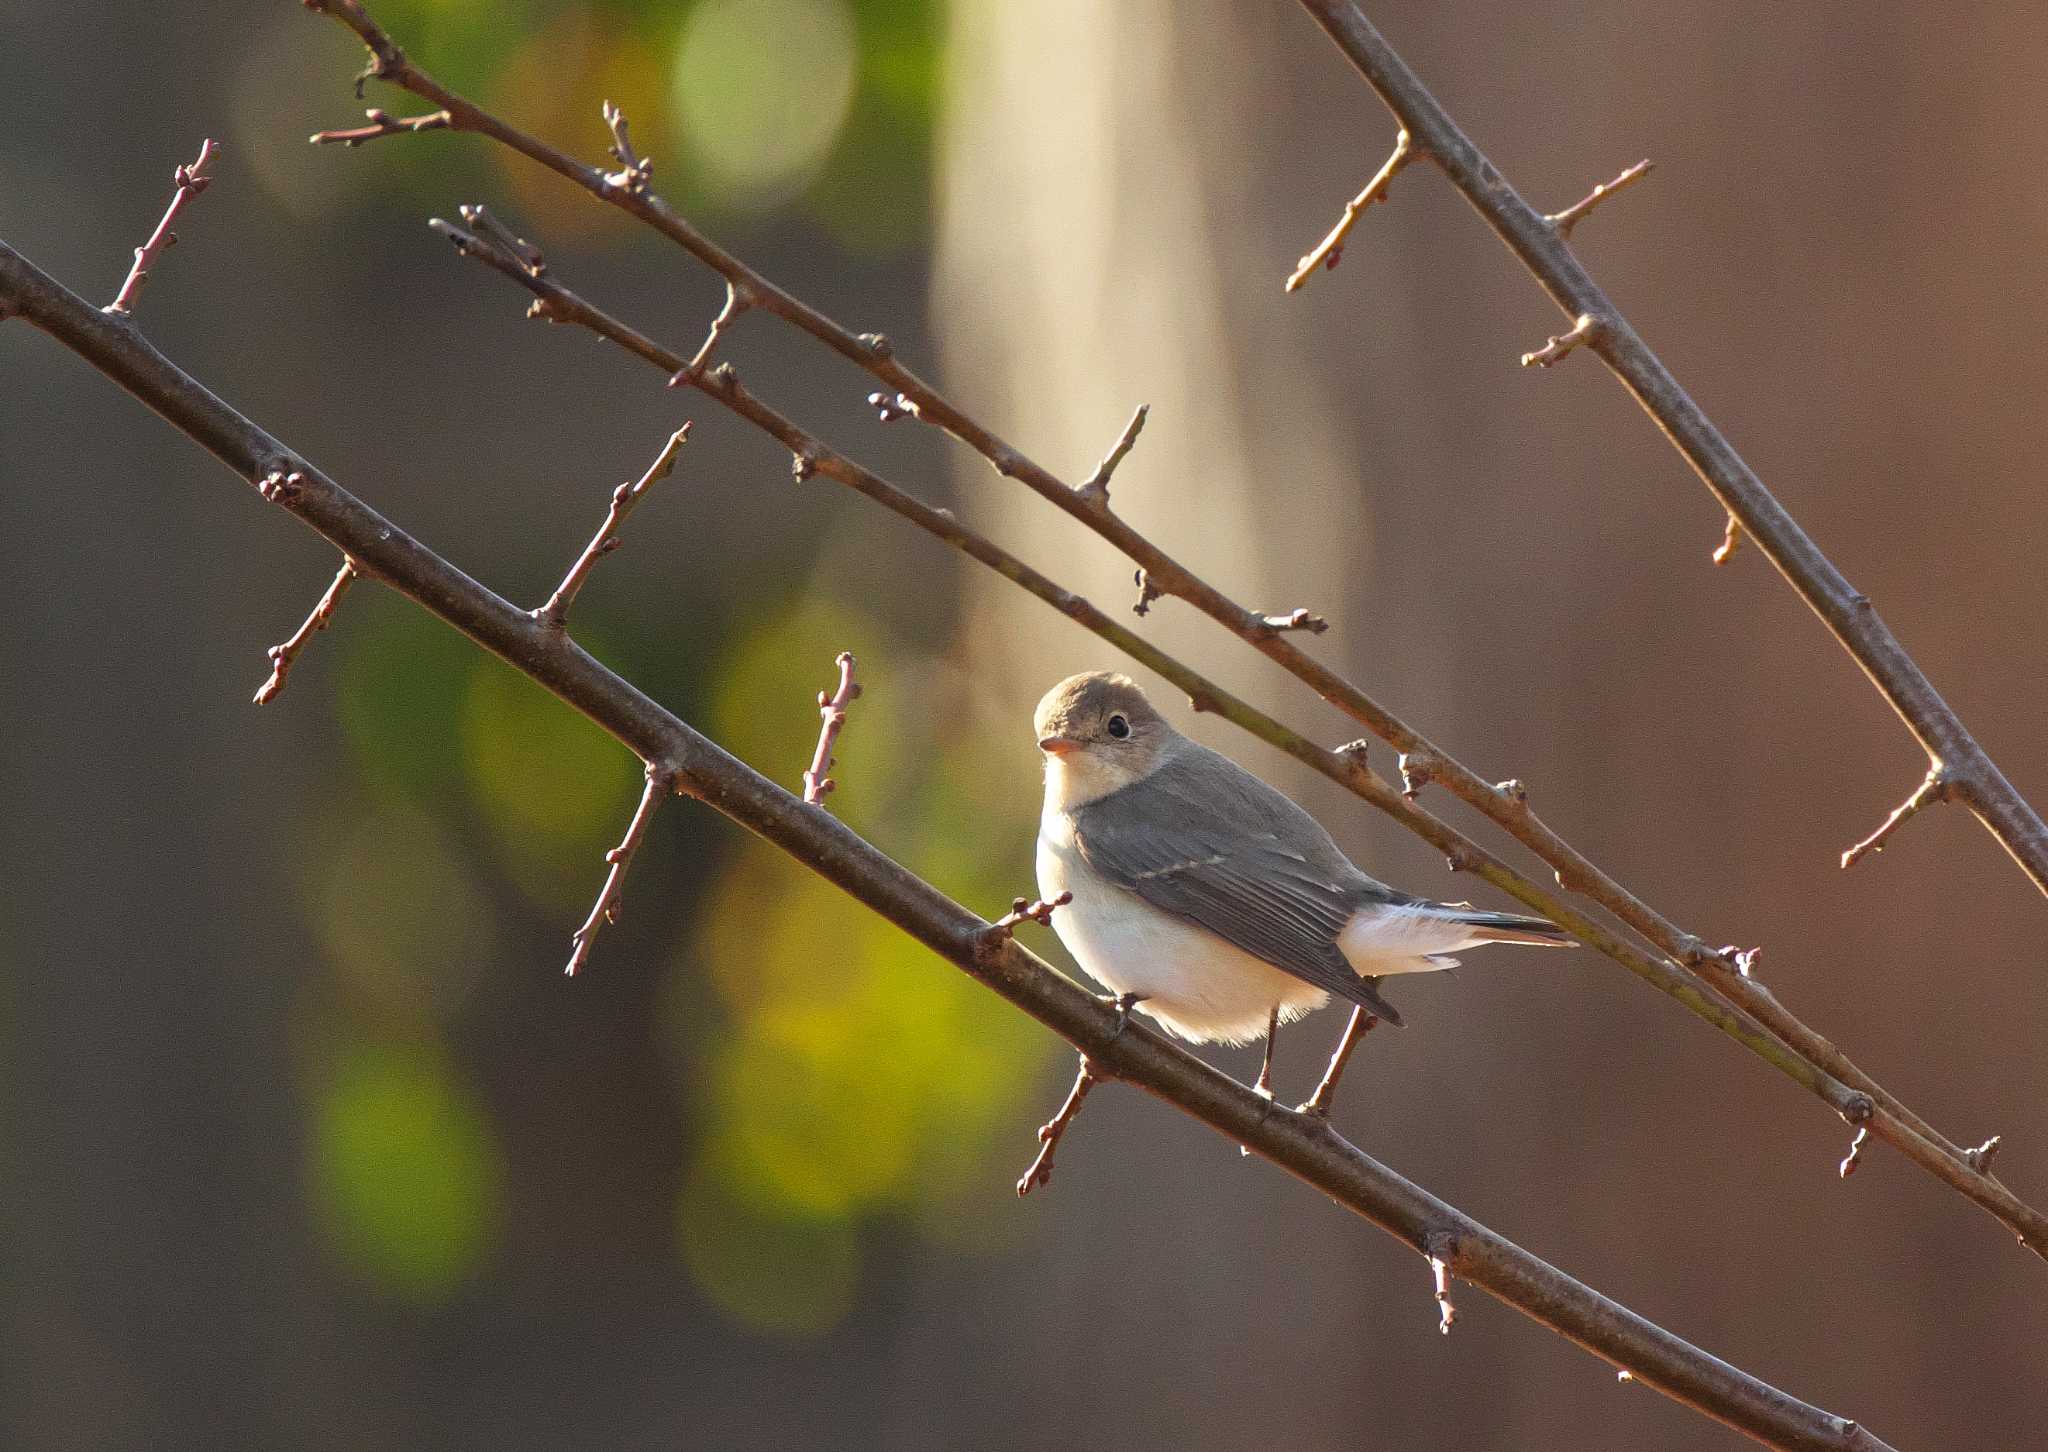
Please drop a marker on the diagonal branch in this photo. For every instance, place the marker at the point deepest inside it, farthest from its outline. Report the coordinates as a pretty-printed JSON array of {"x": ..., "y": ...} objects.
[
  {"x": 1757, "y": 1020},
  {"x": 1847, "y": 612},
  {"x": 1304, "y": 1147},
  {"x": 1158, "y": 575}
]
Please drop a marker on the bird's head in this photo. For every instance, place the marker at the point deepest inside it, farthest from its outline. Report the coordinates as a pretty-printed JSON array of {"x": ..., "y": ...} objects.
[{"x": 1098, "y": 733}]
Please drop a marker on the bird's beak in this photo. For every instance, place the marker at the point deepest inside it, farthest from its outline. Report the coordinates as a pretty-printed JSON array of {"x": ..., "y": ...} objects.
[{"x": 1058, "y": 745}]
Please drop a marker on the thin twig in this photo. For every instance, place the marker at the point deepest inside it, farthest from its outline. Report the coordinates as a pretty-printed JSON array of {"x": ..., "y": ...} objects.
[
  {"x": 1563, "y": 222},
  {"x": 634, "y": 172},
  {"x": 1148, "y": 591},
  {"x": 1439, "y": 1249},
  {"x": 1758, "y": 1020},
  {"x": 1934, "y": 789},
  {"x": 1323, "y": 1159},
  {"x": 487, "y": 224},
  {"x": 187, "y": 182},
  {"x": 1329, "y": 251},
  {"x": 1731, "y": 541},
  {"x": 382, "y": 123},
  {"x": 1027, "y": 910},
  {"x": 737, "y": 301},
  {"x": 1854, "y": 1158},
  {"x": 1561, "y": 344},
  {"x": 283, "y": 657},
  {"x": 1848, "y": 613},
  {"x": 1096, "y": 485},
  {"x": 661, "y": 785},
  {"x": 555, "y": 613},
  {"x": 1053, "y": 1130},
  {"x": 832, "y": 711}
]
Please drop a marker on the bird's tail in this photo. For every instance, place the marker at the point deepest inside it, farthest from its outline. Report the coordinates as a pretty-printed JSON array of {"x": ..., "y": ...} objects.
[{"x": 1513, "y": 928}]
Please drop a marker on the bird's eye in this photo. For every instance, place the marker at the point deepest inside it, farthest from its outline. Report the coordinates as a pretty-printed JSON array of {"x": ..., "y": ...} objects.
[{"x": 1119, "y": 727}]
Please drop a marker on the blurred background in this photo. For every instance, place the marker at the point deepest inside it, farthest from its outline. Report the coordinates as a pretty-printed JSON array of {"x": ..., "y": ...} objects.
[{"x": 308, "y": 1143}]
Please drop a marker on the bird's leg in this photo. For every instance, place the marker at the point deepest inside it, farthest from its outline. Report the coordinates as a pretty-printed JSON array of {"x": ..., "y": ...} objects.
[
  {"x": 1049, "y": 1133},
  {"x": 1123, "y": 1003},
  {"x": 1360, "y": 1025},
  {"x": 1264, "y": 1088}
]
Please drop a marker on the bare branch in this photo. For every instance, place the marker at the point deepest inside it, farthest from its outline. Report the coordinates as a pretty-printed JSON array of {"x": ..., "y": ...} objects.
[
  {"x": 1329, "y": 251},
  {"x": 1935, "y": 788},
  {"x": 1975, "y": 778},
  {"x": 1053, "y": 1130},
  {"x": 1757, "y": 1019},
  {"x": 1731, "y": 541},
  {"x": 187, "y": 182},
  {"x": 1027, "y": 910},
  {"x": 1096, "y": 486},
  {"x": 382, "y": 123},
  {"x": 282, "y": 657},
  {"x": 1561, "y": 344},
  {"x": 634, "y": 173},
  {"x": 661, "y": 785},
  {"x": 832, "y": 709},
  {"x": 1315, "y": 1155},
  {"x": 555, "y": 612},
  {"x": 1563, "y": 222}
]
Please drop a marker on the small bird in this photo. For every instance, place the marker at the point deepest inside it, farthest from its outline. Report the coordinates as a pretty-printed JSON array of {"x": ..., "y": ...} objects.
[{"x": 1206, "y": 899}]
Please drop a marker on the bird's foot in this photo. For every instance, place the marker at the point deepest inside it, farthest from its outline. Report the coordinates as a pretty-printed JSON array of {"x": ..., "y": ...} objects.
[{"x": 1123, "y": 1003}]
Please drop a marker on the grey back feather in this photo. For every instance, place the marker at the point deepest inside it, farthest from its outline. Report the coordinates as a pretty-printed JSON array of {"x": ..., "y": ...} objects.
[{"x": 1207, "y": 841}]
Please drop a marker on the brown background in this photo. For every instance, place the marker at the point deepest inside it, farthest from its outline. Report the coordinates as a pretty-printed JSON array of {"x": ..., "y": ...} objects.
[{"x": 1838, "y": 255}]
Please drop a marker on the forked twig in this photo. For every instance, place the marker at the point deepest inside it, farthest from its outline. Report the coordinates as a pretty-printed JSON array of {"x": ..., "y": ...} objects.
[{"x": 1026, "y": 910}]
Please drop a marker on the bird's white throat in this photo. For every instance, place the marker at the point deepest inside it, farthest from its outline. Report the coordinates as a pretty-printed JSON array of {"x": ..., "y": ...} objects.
[{"x": 1077, "y": 778}]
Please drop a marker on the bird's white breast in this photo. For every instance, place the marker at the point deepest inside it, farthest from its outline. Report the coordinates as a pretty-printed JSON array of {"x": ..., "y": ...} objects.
[{"x": 1195, "y": 984}]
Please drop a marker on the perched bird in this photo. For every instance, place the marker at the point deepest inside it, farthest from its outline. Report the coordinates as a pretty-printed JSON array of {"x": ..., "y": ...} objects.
[{"x": 1203, "y": 897}]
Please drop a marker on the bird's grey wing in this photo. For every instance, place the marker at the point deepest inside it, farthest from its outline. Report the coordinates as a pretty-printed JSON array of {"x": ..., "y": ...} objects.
[{"x": 1247, "y": 889}]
